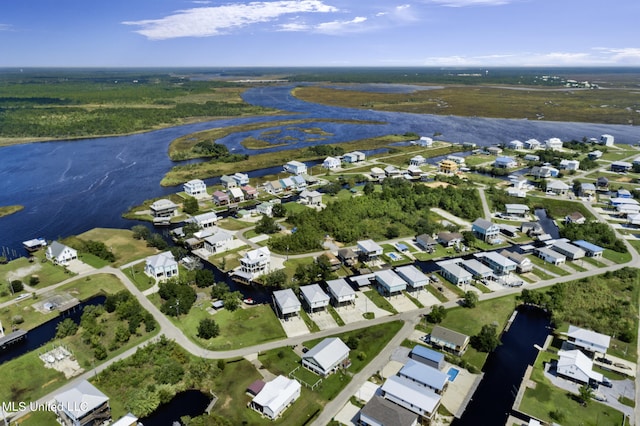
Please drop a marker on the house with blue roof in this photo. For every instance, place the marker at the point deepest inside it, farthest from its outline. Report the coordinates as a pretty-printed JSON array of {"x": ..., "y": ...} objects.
[
  {"x": 423, "y": 375},
  {"x": 427, "y": 356},
  {"x": 300, "y": 182},
  {"x": 591, "y": 250}
]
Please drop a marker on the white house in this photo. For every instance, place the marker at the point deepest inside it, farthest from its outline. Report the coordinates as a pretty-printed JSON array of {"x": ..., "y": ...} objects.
[
  {"x": 228, "y": 181},
  {"x": 196, "y": 188},
  {"x": 588, "y": 340},
  {"x": 454, "y": 272},
  {"x": 532, "y": 144},
  {"x": 326, "y": 357},
  {"x": 553, "y": 143},
  {"x": 163, "y": 208},
  {"x": 341, "y": 292},
  {"x": 60, "y": 254},
  {"x": 557, "y": 187},
  {"x": 369, "y": 249},
  {"x": 569, "y": 250},
  {"x": 286, "y": 303},
  {"x": 425, "y": 141},
  {"x": 241, "y": 179},
  {"x": 311, "y": 198},
  {"x": 83, "y": 404},
  {"x": 515, "y": 144},
  {"x": 551, "y": 256},
  {"x": 606, "y": 140},
  {"x": 353, "y": 157},
  {"x": 273, "y": 187},
  {"x": 411, "y": 396},
  {"x": 296, "y": 168},
  {"x": 424, "y": 375},
  {"x": 389, "y": 282},
  {"x": 276, "y": 396},
  {"x": 331, "y": 163},
  {"x": 518, "y": 210},
  {"x": 265, "y": 208},
  {"x": 236, "y": 195},
  {"x": 569, "y": 164},
  {"x": 204, "y": 220},
  {"x": 315, "y": 297},
  {"x": 578, "y": 367},
  {"x": 253, "y": 264},
  {"x": 413, "y": 276},
  {"x": 418, "y": 160},
  {"x": 377, "y": 173},
  {"x": 218, "y": 242},
  {"x": 161, "y": 266}
]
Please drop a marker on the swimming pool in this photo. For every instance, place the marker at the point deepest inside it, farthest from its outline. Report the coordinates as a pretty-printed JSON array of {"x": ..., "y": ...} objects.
[
  {"x": 452, "y": 373},
  {"x": 394, "y": 256}
]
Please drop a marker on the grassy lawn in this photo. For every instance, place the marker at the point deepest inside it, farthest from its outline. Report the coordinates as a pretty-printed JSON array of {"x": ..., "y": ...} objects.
[
  {"x": 312, "y": 326},
  {"x": 559, "y": 208},
  {"x": 483, "y": 288},
  {"x": 413, "y": 299},
  {"x": 438, "y": 294},
  {"x": 541, "y": 274},
  {"x": 380, "y": 301},
  {"x": 26, "y": 379},
  {"x": 232, "y": 224},
  {"x": 121, "y": 243},
  {"x": 138, "y": 277},
  {"x": 21, "y": 269},
  {"x": 336, "y": 317},
  {"x": 616, "y": 257},
  {"x": 454, "y": 288},
  {"x": 576, "y": 265}
]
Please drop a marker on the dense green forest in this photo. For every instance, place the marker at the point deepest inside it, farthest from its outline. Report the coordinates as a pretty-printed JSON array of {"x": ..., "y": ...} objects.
[{"x": 401, "y": 208}]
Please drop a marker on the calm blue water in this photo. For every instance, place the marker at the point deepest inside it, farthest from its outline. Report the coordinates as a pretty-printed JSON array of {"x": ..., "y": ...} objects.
[
  {"x": 69, "y": 187},
  {"x": 188, "y": 403}
]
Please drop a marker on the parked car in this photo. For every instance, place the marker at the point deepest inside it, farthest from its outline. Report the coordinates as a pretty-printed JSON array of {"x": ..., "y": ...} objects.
[
  {"x": 604, "y": 360},
  {"x": 606, "y": 383},
  {"x": 599, "y": 397}
]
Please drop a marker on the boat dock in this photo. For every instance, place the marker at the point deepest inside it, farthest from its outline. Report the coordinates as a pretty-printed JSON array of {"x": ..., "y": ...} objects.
[
  {"x": 11, "y": 338},
  {"x": 34, "y": 244}
]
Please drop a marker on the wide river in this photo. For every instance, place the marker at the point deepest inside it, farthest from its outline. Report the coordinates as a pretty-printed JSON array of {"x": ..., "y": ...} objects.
[{"x": 68, "y": 187}]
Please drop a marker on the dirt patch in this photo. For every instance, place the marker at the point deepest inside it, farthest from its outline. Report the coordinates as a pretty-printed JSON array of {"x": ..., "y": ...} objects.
[
  {"x": 437, "y": 184},
  {"x": 60, "y": 359},
  {"x": 20, "y": 273}
]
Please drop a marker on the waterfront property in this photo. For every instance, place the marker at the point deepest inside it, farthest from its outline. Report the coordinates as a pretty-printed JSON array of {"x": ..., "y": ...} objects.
[
  {"x": 228, "y": 182},
  {"x": 449, "y": 239},
  {"x": 591, "y": 250},
  {"x": 236, "y": 195},
  {"x": 377, "y": 173},
  {"x": 499, "y": 264},
  {"x": 390, "y": 283},
  {"x": 575, "y": 217},
  {"x": 276, "y": 396},
  {"x": 354, "y": 157},
  {"x": 557, "y": 187},
  {"x": 411, "y": 396},
  {"x": 588, "y": 340},
  {"x": 523, "y": 263},
  {"x": 551, "y": 256},
  {"x": 331, "y": 163},
  {"x": 296, "y": 168},
  {"x": 195, "y": 188},
  {"x": 60, "y": 254},
  {"x": 220, "y": 198},
  {"x": 427, "y": 356},
  {"x": 265, "y": 208},
  {"x": 380, "y": 411},
  {"x": 553, "y": 143},
  {"x": 204, "y": 220},
  {"x": 314, "y": 297},
  {"x": 426, "y": 242},
  {"x": 621, "y": 166},
  {"x": 218, "y": 242},
  {"x": 273, "y": 187},
  {"x": 253, "y": 264},
  {"x": 341, "y": 292},
  {"x": 286, "y": 303},
  {"x": 163, "y": 208},
  {"x": 413, "y": 276},
  {"x": 424, "y": 375},
  {"x": 517, "y": 210},
  {"x": 485, "y": 230},
  {"x": 447, "y": 167},
  {"x": 479, "y": 270},
  {"x": 569, "y": 250},
  {"x": 449, "y": 340},
  {"x": 161, "y": 266},
  {"x": 505, "y": 163},
  {"x": 241, "y": 179},
  {"x": 327, "y": 357},
  {"x": 455, "y": 273},
  {"x": 311, "y": 198},
  {"x": 576, "y": 366},
  {"x": 369, "y": 250},
  {"x": 82, "y": 405}
]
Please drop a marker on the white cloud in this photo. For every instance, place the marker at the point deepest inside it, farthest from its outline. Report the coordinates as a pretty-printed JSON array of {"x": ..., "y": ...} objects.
[
  {"x": 340, "y": 27},
  {"x": 211, "y": 21},
  {"x": 294, "y": 26},
  {"x": 465, "y": 3},
  {"x": 621, "y": 56},
  {"x": 5, "y": 27}
]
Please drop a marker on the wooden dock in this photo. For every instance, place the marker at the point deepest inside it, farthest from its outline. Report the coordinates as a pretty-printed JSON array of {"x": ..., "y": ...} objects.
[{"x": 11, "y": 338}]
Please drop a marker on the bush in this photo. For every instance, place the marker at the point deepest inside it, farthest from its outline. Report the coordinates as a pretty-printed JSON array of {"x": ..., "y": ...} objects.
[
  {"x": 17, "y": 319},
  {"x": 66, "y": 327},
  {"x": 208, "y": 329},
  {"x": 34, "y": 280},
  {"x": 17, "y": 286}
]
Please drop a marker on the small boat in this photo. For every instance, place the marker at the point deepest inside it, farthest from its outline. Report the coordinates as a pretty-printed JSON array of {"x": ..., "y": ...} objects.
[
  {"x": 34, "y": 244},
  {"x": 249, "y": 301}
]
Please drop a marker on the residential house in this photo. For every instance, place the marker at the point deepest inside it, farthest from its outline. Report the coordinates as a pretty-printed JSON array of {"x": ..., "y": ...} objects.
[
  {"x": 569, "y": 164},
  {"x": 413, "y": 172},
  {"x": 236, "y": 195},
  {"x": 195, "y": 188},
  {"x": 588, "y": 340},
  {"x": 220, "y": 198},
  {"x": 249, "y": 192},
  {"x": 241, "y": 179},
  {"x": 411, "y": 396},
  {"x": 341, "y": 292},
  {"x": 576, "y": 366},
  {"x": 544, "y": 172},
  {"x": 425, "y": 141},
  {"x": 60, "y": 254},
  {"x": 379, "y": 411},
  {"x": 296, "y": 168},
  {"x": 485, "y": 230},
  {"x": 457, "y": 159},
  {"x": 454, "y": 273},
  {"x": 532, "y": 144},
  {"x": 449, "y": 239},
  {"x": 299, "y": 181},
  {"x": 311, "y": 198},
  {"x": 253, "y": 264},
  {"x": 494, "y": 150},
  {"x": 607, "y": 140},
  {"x": 551, "y": 256},
  {"x": 531, "y": 157},
  {"x": 591, "y": 250},
  {"x": 523, "y": 263},
  {"x": 265, "y": 208},
  {"x": 621, "y": 166},
  {"x": 553, "y": 143},
  {"x": 273, "y": 187},
  {"x": 427, "y": 356},
  {"x": 501, "y": 265},
  {"x": 390, "y": 283},
  {"x": 505, "y": 163},
  {"x": 569, "y": 250},
  {"x": 377, "y": 173},
  {"x": 531, "y": 228},
  {"x": 602, "y": 183},
  {"x": 276, "y": 396},
  {"x": 425, "y": 376},
  {"x": 228, "y": 182},
  {"x": 418, "y": 160},
  {"x": 449, "y": 340},
  {"x": 557, "y": 187},
  {"x": 369, "y": 250},
  {"x": 287, "y": 184},
  {"x": 127, "y": 420},
  {"x": 623, "y": 193},
  {"x": 204, "y": 220},
  {"x": 515, "y": 144},
  {"x": 594, "y": 155},
  {"x": 334, "y": 262},
  {"x": 448, "y": 167},
  {"x": 354, "y": 157},
  {"x": 327, "y": 357},
  {"x": 218, "y": 242},
  {"x": 347, "y": 256},
  {"x": 286, "y": 303},
  {"x": 633, "y": 219},
  {"x": 331, "y": 163},
  {"x": 161, "y": 266},
  {"x": 163, "y": 208},
  {"x": 478, "y": 270},
  {"x": 413, "y": 276},
  {"x": 82, "y": 405},
  {"x": 392, "y": 171},
  {"x": 587, "y": 190},
  {"x": 575, "y": 217},
  {"x": 426, "y": 242},
  {"x": 315, "y": 298},
  {"x": 517, "y": 210},
  {"x": 636, "y": 161}
]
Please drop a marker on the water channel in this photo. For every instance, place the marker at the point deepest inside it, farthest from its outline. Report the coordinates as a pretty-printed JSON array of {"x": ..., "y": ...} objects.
[{"x": 188, "y": 403}]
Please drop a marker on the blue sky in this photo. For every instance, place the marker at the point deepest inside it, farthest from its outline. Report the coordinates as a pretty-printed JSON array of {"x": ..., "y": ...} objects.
[{"x": 182, "y": 33}]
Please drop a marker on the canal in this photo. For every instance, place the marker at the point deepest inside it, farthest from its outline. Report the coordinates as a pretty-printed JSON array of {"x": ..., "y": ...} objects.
[
  {"x": 190, "y": 403},
  {"x": 491, "y": 403}
]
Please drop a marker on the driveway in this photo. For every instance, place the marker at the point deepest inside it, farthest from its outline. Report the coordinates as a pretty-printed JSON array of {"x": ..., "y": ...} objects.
[
  {"x": 323, "y": 320},
  {"x": 294, "y": 326}
]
